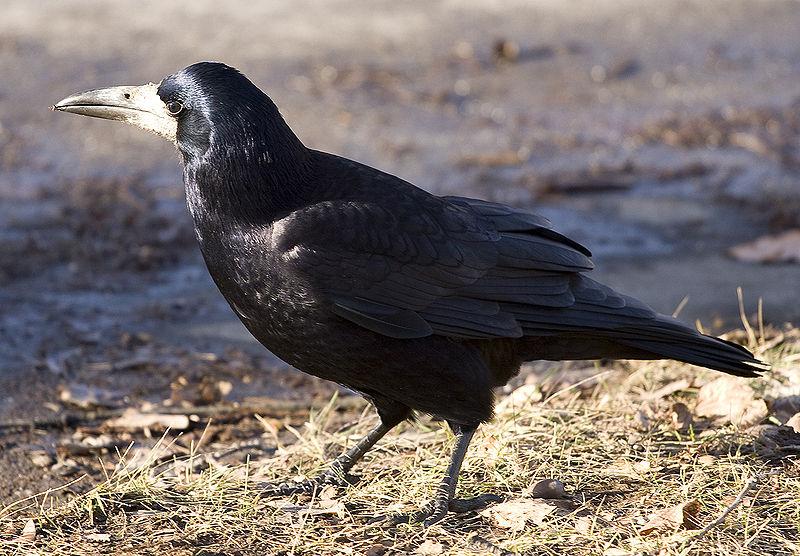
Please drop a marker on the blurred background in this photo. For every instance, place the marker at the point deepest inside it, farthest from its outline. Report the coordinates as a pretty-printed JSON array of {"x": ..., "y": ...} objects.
[{"x": 665, "y": 136}]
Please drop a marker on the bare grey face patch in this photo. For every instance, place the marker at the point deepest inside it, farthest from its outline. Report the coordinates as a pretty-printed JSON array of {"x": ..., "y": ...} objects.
[{"x": 137, "y": 105}]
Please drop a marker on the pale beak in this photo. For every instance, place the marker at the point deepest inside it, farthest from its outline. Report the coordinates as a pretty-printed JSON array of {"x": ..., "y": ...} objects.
[{"x": 137, "y": 105}]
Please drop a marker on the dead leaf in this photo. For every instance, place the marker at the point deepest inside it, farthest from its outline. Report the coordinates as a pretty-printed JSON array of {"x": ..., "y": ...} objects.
[
  {"x": 672, "y": 518},
  {"x": 642, "y": 466},
  {"x": 429, "y": 548},
  {"x": 514, "y": 514},
  {"x": 681, "y": 417},
  {"x": 794, "y": 422},
  {"x": 65, "y": 467},
  {"x": 627, "y": 468},
  {"x": 41, "y": 459},
  {"x": 376, "y": 550},
  {"x": 781, "y": 248},
  {"x": 28, "y": 532},
  {"x": 667, "y": 390},
  {"x": 85, "y": 396},
  {"x": 643, "y": 419},
  {"x": 775, "y": 442},
  {"x": 131, "y": 418},
  {"x": 784, "y": 408},
  {"x": 98, "y": 537},
  {"x": 327, "y": 497},
  {"x": 707, "y": 460},
  {"x": 225, "y": 387},
  {"x": 523, "y": 396},
  {"x": 337, "y": 508},
  {"x": 584, "y": 525},
  {"x": 730, "y": 400}
]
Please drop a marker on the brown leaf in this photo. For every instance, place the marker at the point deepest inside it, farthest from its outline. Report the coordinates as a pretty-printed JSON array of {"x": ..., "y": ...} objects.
[
  {"x": 643, "y": 419},
  {"x": 132, "y": 419},
  {"x": 627, "y": 468},
  {"x": 327, "y": 497},
  {"x": 41, "y": 459},
  {"x": 514, "y": 514},
  {"x": 523, "y": 396},
  {"x": 784, "y": 408},
  {"x": 729, "y": 399},
  {"x": 775, "y": 442},
  {"x": 584, "y": 525},
  {"x": 667, "y": 390},
  {"x": 681, "y": 417},
  {"x": 781, "y": 248},
  {"x": 225, "y": 387},
  {"x": 794, "y": 422},
  {"x": 28, "y": 532},
  {"x": 429, "y": 548},
  {"x": 673, "y": 518},
  {"x": 85, "y": 396},
  {"x": 376, "y": 550},
  {"x": 707, "y": 459}
]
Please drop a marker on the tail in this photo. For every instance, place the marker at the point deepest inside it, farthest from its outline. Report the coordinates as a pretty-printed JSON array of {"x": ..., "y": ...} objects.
[
  {"x": 659, "y": 337},
  {"x": 666, "y": 338},
  {"x": 601, "y": 323}
]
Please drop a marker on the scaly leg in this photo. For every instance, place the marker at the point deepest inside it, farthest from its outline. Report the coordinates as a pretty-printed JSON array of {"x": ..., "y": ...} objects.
[
  {"x": 391, "y": 414},
  {"x": 437, "y": 509},
  {"x": 336, "y": 472}
]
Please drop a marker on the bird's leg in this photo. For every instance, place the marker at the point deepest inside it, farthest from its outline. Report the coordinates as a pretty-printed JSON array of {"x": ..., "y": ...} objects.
[
  {"x": 437, "y": 509},
  {"x": 440, "y": 505},
  {"x": 337, "y": 471}
]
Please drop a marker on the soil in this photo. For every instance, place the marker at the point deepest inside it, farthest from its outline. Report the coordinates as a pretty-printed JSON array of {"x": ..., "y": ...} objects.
[{"x": 658, "y": 137}]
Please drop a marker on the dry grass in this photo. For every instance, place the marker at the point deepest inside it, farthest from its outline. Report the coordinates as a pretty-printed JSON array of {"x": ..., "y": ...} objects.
[{"x": 616, "y": 447}]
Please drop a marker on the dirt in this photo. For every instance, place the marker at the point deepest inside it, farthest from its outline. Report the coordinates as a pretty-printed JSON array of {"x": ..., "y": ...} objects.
[{"x": 659, "y": 139}]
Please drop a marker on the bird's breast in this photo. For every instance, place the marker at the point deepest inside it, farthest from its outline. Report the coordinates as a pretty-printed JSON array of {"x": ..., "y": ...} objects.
[{"x": 252, "y": 276}]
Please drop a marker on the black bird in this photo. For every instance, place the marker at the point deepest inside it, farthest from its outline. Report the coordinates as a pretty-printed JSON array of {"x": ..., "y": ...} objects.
[{"x": 418, "y": 302}]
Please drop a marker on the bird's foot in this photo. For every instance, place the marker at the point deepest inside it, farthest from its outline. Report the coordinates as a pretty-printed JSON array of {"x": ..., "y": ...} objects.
[
  {"x": 309, "y": 486},
  {"x": 436, "y": 510}
]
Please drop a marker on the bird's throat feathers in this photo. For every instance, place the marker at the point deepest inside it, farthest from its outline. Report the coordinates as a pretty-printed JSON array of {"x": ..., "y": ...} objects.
[{"x": 241, "y": 159}]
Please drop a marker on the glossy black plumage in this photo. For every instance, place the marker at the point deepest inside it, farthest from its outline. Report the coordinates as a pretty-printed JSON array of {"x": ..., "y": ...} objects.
[{"x": 418, "y": 302}]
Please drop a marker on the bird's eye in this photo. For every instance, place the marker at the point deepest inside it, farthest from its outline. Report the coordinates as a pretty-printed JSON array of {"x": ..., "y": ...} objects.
[{"x": 174, "y": 107}]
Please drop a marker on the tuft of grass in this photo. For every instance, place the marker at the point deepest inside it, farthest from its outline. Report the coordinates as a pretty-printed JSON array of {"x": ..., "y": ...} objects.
[{"x": 604, "y": 433}]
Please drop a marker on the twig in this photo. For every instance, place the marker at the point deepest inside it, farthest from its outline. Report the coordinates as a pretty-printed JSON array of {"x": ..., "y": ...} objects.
[
  {"x": 578, "y": 384},
  {"x": 751, "y": 484},
  {"x": 751, "y": 335},
  {"x": 271, "y": 407}
]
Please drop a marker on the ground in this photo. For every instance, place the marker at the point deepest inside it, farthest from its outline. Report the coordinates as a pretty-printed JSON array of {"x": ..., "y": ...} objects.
[
  {"x": 660, "y": 137},
  {"x": 638, "y": 458}
]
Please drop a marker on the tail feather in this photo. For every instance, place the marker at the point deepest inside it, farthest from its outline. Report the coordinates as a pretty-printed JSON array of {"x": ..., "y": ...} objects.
[
  {"x": 660, "y": 338},
  {"x": 698, "y": 349}
]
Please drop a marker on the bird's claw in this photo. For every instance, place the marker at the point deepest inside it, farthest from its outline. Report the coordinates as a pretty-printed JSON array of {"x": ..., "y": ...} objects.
[{"x": 436, "y": 510}]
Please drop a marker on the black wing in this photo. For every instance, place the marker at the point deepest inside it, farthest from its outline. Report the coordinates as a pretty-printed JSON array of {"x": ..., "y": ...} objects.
[{"x": 415, "y": 265}]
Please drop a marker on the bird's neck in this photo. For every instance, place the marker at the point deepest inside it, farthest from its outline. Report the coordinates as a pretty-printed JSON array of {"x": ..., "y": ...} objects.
[{"x": 247, "y": 179}]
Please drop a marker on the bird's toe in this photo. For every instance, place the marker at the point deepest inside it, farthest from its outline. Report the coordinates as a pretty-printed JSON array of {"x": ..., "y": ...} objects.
[
  {"x": 464, "y": 505},
  {"x": 436, "y": 510},
  {"x": 288, "y": 488},
  {"x": 308, "y": 486}
]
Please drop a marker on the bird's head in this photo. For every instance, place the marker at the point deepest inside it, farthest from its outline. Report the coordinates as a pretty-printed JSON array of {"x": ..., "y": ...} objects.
[{"x": 205, "y": 105}]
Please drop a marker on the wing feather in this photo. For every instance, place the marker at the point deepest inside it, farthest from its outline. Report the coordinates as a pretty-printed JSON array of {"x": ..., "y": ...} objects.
[{"x": 450, "y": 266}]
